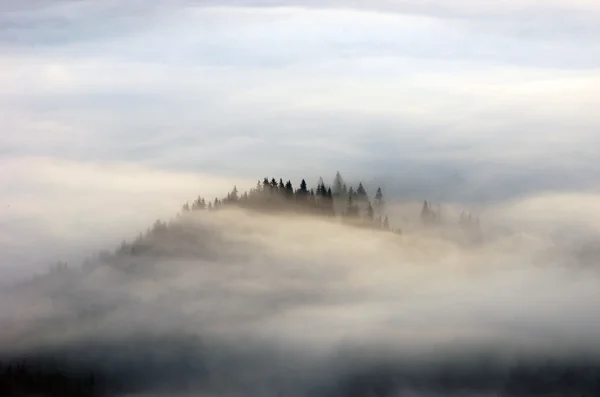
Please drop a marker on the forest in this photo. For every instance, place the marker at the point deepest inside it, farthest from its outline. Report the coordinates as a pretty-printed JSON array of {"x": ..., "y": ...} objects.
[{"x": 337, "y": 202}]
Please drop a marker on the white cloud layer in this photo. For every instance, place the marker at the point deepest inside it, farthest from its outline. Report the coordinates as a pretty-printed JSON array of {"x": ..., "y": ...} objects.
[{"x": 454, "y": 100}]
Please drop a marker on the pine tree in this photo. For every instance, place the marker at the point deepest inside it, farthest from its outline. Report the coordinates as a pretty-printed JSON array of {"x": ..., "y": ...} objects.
[
  {"x": 361, "y": 192},
  {"x": 303, "y": 186},
  {"x": 281, "y": 185},
  {"x": 379, "y": 204},
  {"x": 289, "y": 189},
  {"x": 321, "y": 190},
  {"x": 338, "y": 184},
  {"x": 370, "y": 212},
  {"x": 302, "y": 191},
  {"x": 351, "y": 208}
]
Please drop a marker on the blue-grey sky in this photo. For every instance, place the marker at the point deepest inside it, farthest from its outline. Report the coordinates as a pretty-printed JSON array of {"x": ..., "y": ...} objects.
[{"x": 114, "y": 112}]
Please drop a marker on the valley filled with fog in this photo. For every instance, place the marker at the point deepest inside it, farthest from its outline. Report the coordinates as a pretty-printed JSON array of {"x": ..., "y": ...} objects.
[
  {"x": 460, "y": 258},
  {"x": 238, "y": 302}
]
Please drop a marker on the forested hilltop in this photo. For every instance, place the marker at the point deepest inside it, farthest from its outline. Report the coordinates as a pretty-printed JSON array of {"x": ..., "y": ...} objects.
[{"x": 339, "y": 201}]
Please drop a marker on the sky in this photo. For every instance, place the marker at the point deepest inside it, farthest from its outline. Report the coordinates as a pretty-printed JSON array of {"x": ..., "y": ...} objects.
[{"x": 114, "y": 113}]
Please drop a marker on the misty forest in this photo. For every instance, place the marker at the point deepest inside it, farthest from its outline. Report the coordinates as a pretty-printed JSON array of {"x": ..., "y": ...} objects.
[
  {"x": 173, "y": 222},
  {"x": 283, "y": 291},
  {"x": 339, "y": 202}
]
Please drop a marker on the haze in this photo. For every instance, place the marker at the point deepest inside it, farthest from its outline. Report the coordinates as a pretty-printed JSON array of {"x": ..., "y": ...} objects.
[{"x": 113, "y": 114}]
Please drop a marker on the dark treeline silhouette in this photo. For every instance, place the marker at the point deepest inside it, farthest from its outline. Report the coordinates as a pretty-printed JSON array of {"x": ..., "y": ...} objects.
[
  {"x": 339, "y": 201},
  {"x": 34, "y": 378}
]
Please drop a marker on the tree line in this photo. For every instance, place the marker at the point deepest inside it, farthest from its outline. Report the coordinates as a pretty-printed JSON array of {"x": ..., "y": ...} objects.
[{"x": 352, "y": 205}]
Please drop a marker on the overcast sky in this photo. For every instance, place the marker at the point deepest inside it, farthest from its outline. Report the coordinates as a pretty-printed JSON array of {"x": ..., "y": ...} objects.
[{"x": 114, "y": 112}]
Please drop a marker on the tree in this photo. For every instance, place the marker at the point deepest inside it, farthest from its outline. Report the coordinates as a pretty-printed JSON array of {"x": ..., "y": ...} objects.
[
  {"x": 234, "y": 194},
  {"x": 303, "y": 186},
  {"x": 303, "y": 191},
  {"x": 338, "y": 184},
  {"x": 321, "y": 189},
  {"x": 351, "y": 208},
  {"x": 379, "y": 203},
  {"x": 281, "y": 185},
  {"x": 329, "y": 208},
  {"x": 361, "y": 192},
  {"x": 370, "y": 212},
  {"x": 289, "y": 190}
]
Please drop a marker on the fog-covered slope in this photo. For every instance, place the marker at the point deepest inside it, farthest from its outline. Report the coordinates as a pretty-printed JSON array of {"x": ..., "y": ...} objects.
[{"x": 236, "y": 303}]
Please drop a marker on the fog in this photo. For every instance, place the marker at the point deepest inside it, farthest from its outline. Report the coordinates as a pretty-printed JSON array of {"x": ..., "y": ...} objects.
[
  {"x": 236, "y": 303},
  {"x": 114, "y": 113}
]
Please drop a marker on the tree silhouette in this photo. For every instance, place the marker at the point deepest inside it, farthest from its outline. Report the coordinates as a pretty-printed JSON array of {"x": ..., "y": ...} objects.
[
  {"x": 361, "y": 192},
  {"x": 338, "y": 184},
  {"x": 352, "y": 211},
  {"x": 370, "y": 212},
  {"x": 378, "y": 202}
]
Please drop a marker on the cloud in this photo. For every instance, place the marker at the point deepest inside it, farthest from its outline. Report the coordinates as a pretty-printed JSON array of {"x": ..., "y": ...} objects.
[
  {"x": 236, "y": 302},
  {"x": 56, "y": 209},
  {"x": 454, "y": 101}
]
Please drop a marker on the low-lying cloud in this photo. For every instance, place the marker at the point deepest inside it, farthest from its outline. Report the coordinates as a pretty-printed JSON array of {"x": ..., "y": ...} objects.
[{"x": 237, "y": 303}]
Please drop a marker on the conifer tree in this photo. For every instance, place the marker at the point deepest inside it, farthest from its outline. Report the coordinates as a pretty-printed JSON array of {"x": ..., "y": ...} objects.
[
  {"x": 351, "y": 208},
  {"x": 303, "y": 186},
  {"x": 289, "y": 189},
  {"x": 379, "y": 204},
  {"x": 361, "y": 192},
  {"x": 370, "y": 212},
  {"x": 338, "y": 184}
]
